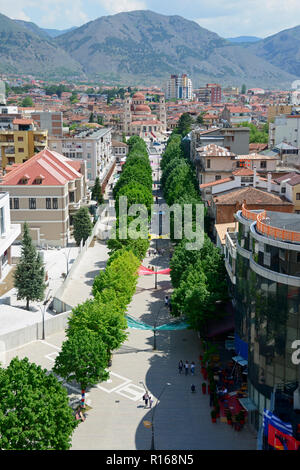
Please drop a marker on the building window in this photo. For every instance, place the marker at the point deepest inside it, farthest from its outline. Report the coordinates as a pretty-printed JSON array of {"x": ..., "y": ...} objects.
[
  {"x": 16, "y": 203},
  {"x": 283, "y": 190},
  {"x": 20, "y": 139},
  {"x": 218, "y": 177},
  {"x": 263, "y": 164},
  {"x": 208, "y": 164},
  {"x": 48, "y": 203},
  {"x": 21, "y": 150},
  {"x": 2, "y": 225},
  {"x": 55, "y": 202},
  {"x": 89, "y": 176},
  {"x": 10, "y": 203},
  {"x": 32, "y": 203},
  {"x": 298, "y": 196},
  {"x": 71, "y": 196}
]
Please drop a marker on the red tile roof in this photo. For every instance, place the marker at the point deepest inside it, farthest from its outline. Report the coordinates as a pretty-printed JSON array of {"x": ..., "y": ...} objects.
[
  {"x": 56, "y": 169},
  {"x": 243, "y": 172},
  {"x": 214, "y": 183}
]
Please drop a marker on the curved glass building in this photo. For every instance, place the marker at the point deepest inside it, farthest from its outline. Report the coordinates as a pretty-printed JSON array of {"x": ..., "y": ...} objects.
[{"x": 263, "y": 263}]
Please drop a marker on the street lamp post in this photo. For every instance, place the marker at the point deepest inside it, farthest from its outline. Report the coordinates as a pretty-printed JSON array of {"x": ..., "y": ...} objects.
[
  {"x": 152, "y": 416},
  {"x": 154, "y": 327},
  {"x": 43, "y": 310}
]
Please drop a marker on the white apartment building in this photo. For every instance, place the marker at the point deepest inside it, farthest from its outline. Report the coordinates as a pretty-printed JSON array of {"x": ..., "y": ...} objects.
[
  {"x": 92, "y": 145},
  {"x": 285, "y": 128},
  {"x": 179, "y": 88},
  {"x": 8, "y": 234}
]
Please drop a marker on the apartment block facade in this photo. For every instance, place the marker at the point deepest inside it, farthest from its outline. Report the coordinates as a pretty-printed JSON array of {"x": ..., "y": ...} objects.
[
  {"x": 93, "y": 146},
  {"x": 19, "y": 144},
  {"x": 50, "y": 121},
  {"x": 8, "y": 234},
  {"x": 45, "y": 192},
  {"x": 179, "y": 88}
]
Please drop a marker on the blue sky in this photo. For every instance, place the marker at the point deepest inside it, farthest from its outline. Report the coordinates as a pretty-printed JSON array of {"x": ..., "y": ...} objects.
[{"x": 228, "y": 18}]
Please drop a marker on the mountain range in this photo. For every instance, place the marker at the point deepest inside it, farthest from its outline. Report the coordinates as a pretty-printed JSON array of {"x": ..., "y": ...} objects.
[{"x": 143, "y": 47}]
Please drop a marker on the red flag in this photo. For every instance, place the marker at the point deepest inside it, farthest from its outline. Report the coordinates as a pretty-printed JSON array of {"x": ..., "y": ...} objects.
[{"x": 280, "y": 440}]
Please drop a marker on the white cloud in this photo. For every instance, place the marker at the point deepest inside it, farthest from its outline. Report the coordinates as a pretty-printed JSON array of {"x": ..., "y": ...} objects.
[
  {"x": 50, "y": 13},
  {"x": 250, "y": 17},
  {"x": 117, "y": 6},
  {"x": 14, "y": 10}
]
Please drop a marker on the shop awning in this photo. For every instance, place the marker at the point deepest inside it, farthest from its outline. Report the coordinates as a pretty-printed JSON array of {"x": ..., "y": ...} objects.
[
  {"x": 240, "y": 360},
  {"x": 248, "y": 404}
]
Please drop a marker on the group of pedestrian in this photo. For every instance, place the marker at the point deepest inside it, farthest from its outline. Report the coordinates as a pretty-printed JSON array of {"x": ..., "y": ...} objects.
[
  {"x": 186, "y": 367},
  {"x": 146, "y": 398}
]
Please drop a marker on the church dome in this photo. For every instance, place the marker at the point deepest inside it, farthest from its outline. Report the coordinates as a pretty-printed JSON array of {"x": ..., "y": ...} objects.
[
  {"x": 142, "y": 108},
  {"x": 138, "y": 96}
]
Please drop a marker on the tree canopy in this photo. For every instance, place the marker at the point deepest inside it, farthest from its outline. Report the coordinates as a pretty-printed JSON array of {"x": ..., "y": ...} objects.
[{"x": 34, "y": 409}]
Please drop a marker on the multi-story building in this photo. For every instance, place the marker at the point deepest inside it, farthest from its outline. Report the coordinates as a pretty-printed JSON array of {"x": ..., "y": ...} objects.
[
  {"x": 8, "y": 234},
  {"x": 277, "y": 109},
  {"x": 263, "y": 264},
  {"x": 179, "y": 88},
  {"x": 92, "y": 145},
  {"x": 236, "y": 139},
  {"x": 213, "y": 163},
  {"x": 2, "y": 93},
  {"x": 49, "y": 120},
  {"x": 7, "y": 116},
  {"x": 119, "y": 149},
  {"x": 211, "y": 94},
  {"x": 46, "y": 191},
  {"x": 20, "y": 143},
  {"x": 285, "y": 128}
]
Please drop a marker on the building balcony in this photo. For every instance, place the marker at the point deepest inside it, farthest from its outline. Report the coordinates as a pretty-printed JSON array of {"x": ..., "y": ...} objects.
[
  {"x": 280, "y": 278},
  {"x": 74, "y": 206}
]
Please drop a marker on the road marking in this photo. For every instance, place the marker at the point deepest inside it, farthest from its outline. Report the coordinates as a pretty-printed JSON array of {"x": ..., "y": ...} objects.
[
  {"x": 131, "y": 391},
  {"x": 49, "y": 344}
]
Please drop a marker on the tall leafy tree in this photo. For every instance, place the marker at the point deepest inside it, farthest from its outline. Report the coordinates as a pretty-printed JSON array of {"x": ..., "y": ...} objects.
[
  {"x": 82, "y": 225},
  {"x": 34, "y": 409},
  {"x": 83, "y": 358},
  {"x": 97, "y": 192},
  {"x": 104, "y": 315},
  {"x": 29, "y": 276}
]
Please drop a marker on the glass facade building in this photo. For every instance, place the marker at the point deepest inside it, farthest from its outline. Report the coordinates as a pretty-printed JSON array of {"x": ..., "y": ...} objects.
[{"x": 267, "y": 299}]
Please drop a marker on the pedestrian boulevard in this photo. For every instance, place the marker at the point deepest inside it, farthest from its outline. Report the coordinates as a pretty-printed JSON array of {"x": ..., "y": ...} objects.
[{"x": 116, "y": 415}]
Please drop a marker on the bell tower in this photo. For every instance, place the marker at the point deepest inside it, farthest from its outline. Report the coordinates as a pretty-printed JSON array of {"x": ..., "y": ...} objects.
[{"x": 162, "y": 114}]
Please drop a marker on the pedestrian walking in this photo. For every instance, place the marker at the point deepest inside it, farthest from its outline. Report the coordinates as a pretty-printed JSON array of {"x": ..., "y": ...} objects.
[
  {"x": 180, "y": 366},
  {"x": 193, "y": 368},
  {"x": 146, "y": 398},
  {"x": 150, "y": 401},
  {"x": 186, "y": 367},
  {"x": 166, "y": 301}
]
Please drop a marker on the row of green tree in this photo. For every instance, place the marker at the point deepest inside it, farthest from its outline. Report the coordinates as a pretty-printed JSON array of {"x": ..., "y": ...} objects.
[
  {"x": 198, "y": 276},
  {"x": 135, "y": 183},
  {"x": 98, "y": 326}
]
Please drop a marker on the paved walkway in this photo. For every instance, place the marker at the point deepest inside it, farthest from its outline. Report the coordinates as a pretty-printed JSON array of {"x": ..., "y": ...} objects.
[{"x": 182, "y": 419}]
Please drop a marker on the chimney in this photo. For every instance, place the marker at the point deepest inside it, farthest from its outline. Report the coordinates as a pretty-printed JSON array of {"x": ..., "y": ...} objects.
[
  {"x": 269, "y": 182},
  {"x": 254, "y": 177}
]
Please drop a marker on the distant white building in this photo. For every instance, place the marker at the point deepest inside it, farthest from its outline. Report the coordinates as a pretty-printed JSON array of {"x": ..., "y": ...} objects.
[
  {"x": 179, "y": 88},
  {"x": 92, "y": 145},
  {"x": 8, "y": 234},
  {"x": 285, "y": 128}
]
